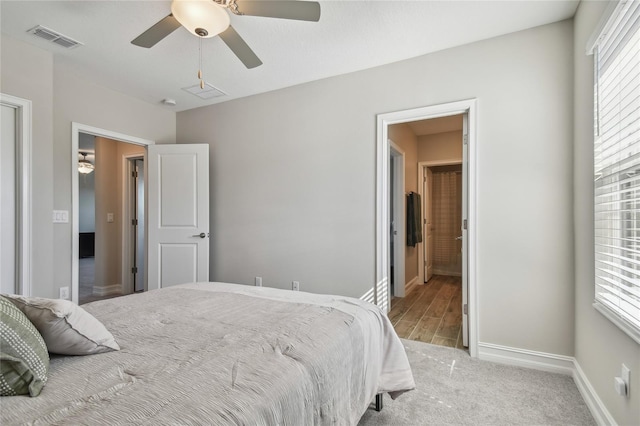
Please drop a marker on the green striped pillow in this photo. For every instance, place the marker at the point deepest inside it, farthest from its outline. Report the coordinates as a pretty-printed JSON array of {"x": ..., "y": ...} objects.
[{"x": 24, "y": 359}]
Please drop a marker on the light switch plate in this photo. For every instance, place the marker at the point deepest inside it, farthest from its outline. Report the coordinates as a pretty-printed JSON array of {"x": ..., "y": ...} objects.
[
  {"x": 60, "y": 216},
  {"x": 626, "y": 377}
]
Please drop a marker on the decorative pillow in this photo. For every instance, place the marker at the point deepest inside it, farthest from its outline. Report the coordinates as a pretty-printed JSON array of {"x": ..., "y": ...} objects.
[
  {"x": 24, "y": 360},
  {"x": 66, "y": 327}
]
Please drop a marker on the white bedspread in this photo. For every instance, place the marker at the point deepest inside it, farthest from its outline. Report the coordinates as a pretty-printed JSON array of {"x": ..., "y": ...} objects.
[{"x": 217, "y": 354}]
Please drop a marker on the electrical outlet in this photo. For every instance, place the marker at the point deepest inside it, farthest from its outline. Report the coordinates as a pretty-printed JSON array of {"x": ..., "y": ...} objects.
[
  {"x": 258, "y": 281},
  {"x": 64, "y": 293},
  {"x": 295, "y": 286}
]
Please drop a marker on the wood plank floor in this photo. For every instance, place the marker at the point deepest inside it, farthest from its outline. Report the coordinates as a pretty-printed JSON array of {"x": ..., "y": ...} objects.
[{"x": 431, "y": 313}]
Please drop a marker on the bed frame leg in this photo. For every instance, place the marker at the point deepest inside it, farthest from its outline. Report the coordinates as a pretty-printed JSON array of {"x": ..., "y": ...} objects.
[{"x": 379, "y": 402}]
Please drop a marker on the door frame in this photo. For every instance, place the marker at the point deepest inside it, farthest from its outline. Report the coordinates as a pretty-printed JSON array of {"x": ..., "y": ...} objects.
[
  {"x": 127, "y": 234},
  {"x": 422, "y": 246},
  {"x": 76, "y": 129},
  {"x": 381, "y": 285},
  {"x": 398, "y": 157},
  {"x": 24, "y": 217}
]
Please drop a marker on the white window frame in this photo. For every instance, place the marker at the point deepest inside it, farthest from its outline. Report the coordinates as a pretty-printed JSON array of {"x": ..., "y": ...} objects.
[{"x": 610, "y": 29}]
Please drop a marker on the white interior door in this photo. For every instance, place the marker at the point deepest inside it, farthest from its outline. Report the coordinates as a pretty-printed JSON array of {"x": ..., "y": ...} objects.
[
  {"x": 397, "y": 218},
  {"x": 428, "y": 225},
  {"x": 178, "y": 214},
  {"x": 140, "y": 226},
  {"x": 463, "y": 227},
  {"x": 8, "y": 210}
]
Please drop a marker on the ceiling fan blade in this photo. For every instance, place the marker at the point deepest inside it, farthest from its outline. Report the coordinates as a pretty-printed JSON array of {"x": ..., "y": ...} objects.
[
  {"x": 240, "y": 48},
  {"x": 283, "y": 9},
  {"x": 157, "y": 32}
]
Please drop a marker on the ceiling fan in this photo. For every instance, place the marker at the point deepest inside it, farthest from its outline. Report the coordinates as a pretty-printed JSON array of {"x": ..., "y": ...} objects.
[{"x": 208, "y": 18}]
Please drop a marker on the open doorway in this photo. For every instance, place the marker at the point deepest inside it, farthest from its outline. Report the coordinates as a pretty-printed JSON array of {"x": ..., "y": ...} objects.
[
  {"x": 441, "y": 251},
  {"x": 432, "y": 309},
  {"x": 110, "y": 196},
  {"x": 449, "y": 316},
  {"x": 109, "y": 227}
]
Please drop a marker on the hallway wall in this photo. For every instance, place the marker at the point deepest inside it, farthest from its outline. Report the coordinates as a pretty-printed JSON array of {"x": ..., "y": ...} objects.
[
  {"x": 109, "y": 199},
  {"x": 403, "y": 136},
  {"x": 440, "y": 146}
]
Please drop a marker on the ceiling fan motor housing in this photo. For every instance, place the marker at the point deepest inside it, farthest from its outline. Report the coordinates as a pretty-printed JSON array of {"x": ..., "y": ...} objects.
[{"x": 203, "y": 18}]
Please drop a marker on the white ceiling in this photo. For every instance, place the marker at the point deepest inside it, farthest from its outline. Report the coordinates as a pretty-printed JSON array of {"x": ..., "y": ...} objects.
[{"x": 351, "y": 36}]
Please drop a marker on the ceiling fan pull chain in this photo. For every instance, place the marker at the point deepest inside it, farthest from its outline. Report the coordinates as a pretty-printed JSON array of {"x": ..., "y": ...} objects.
[{"x": 200, "y": 63}]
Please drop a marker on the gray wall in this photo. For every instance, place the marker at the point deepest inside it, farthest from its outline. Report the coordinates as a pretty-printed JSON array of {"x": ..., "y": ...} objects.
[
  {"x": 600, "y": 347},
  {"x": 77, "y": 99},
  {"x": 60, "y": 97},
  {"x": 293, "y": 179},
  {"x": 27, "y": 72}
]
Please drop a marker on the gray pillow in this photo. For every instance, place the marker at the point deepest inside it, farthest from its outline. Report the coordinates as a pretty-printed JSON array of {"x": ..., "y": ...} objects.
[
  {"x": 66, "y": 327},
  {"x": 24, "y": 359}
]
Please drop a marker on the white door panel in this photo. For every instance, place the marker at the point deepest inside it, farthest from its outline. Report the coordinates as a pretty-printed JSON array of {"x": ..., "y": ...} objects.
[
  {"x": 178, "y": 190},
  {"x": 185, "y": 255},
  {"x": 178, "y": 208}
]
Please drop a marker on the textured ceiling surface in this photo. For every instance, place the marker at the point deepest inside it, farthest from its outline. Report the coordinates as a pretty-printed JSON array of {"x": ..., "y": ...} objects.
[{"x": 350, "y": 36}]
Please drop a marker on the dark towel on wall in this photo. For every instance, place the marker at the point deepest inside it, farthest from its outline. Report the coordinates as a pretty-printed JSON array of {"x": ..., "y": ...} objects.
[{"x": 414, "y": 219}]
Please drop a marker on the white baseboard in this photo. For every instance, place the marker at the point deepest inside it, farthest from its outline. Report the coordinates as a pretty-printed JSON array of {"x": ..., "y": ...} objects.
[
  {"x": 410, "y": 286},
  {"x": 446, "y": 273},
  {"x": 526, "y": 358},
  {"x": 591, "y": 398},
  {"x": 108, "y": 290},
  {"x": 555, "y": 364}
]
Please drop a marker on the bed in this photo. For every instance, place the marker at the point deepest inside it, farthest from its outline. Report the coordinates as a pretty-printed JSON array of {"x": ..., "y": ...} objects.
[{"x": 218, "y": 353}]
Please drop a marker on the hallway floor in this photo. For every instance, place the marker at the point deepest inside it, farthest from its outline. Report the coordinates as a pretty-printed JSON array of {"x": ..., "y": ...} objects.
[
  {"x": 431, "y": 313},
  {"x": 86, "y": 278}
]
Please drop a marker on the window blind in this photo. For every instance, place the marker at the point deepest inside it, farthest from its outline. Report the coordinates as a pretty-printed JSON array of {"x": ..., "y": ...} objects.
[{"x": 617, "y": 167}]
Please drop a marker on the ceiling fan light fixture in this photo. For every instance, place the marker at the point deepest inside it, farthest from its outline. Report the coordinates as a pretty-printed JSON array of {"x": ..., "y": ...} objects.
[
  {"x": 196, "y": 15},
  {"x": 84, "y": 166}
]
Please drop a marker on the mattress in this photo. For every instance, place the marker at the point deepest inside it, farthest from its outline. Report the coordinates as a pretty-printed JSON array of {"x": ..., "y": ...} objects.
[{"x": 217, "y": 353}]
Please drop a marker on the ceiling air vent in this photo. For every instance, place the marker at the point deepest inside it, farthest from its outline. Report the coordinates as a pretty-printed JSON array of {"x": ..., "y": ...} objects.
[
  {"x": 54, "y": 37},
  {"x": 208, "y": 92}
]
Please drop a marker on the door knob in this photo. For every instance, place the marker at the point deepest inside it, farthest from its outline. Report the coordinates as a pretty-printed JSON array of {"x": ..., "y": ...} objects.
[
  {"x": 459, "y": 238},
  {"x": 201, "y": 235}
]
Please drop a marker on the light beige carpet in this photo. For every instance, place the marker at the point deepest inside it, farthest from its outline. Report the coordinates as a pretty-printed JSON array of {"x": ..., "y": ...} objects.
[{"x": 479, "y": 393}]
